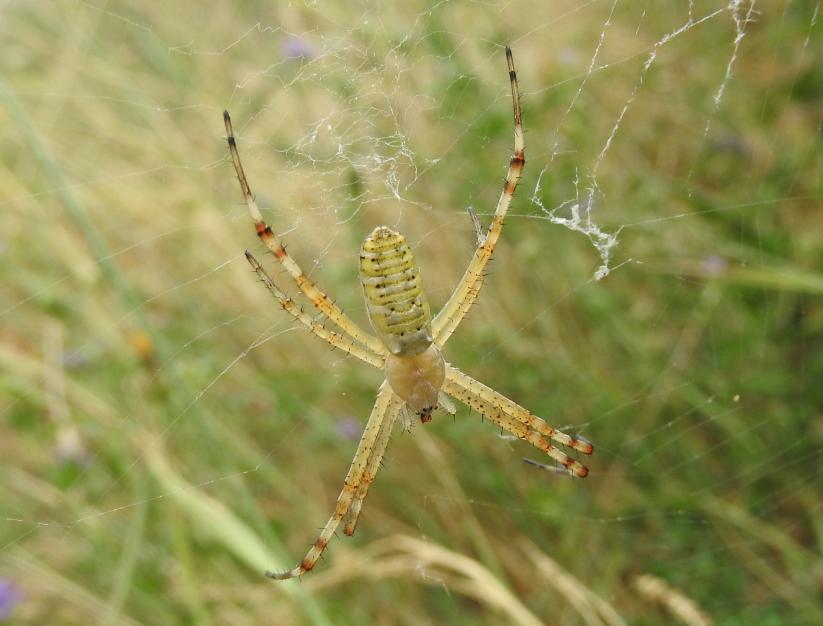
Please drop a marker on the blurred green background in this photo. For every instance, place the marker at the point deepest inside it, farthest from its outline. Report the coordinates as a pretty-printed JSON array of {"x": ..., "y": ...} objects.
[{"x": 166, "y": 433}]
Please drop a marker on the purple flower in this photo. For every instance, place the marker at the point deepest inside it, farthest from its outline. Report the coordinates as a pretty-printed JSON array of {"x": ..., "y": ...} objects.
[
  {"x": 714, "y": 265},
  {"x": 296, "y": 48},
  {"x": 9, "y": 597},
  {"x": 76, "y": 359},
  {"x": 350, "y": 428}
]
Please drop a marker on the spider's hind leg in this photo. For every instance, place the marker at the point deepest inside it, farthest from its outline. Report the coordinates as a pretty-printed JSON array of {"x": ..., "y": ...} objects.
[
  {"x": 516, "y": 420},
  {"x": 351, "y": 485},
  {"x": 373, "y": 465}
]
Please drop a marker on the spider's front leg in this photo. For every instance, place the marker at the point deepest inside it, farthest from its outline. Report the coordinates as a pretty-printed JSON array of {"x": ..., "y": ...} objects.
[
  {"x": 467, "y": 290},
  {"x": 318, "y": 298}
]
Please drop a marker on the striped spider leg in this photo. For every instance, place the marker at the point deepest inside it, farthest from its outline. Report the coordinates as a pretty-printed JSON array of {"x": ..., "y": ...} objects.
[
  {"x": 373, "y": 465},
  {"x": 469, "y": 286},
  {"x": 319, "y": 299},
  {"x": 407, "y": 345},
  {"x": 383, "y": 407}
]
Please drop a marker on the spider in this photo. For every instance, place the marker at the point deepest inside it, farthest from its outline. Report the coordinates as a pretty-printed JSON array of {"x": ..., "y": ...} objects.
[{"x": 408, "y": 342}]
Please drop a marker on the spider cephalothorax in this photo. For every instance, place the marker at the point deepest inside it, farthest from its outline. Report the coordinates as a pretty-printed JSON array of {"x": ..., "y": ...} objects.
[{"x": 408, "y": 342}]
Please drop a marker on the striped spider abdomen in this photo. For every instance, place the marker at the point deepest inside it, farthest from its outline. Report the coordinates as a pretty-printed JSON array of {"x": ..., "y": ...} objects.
[{"x": 397, "y": 307}]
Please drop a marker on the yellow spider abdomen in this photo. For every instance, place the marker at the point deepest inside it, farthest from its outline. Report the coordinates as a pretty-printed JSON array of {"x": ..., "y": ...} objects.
[{"x": 397, "y": 307}]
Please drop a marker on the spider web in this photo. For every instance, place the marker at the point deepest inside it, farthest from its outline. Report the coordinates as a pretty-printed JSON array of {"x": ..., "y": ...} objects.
[{"x": 168, "y": 434}]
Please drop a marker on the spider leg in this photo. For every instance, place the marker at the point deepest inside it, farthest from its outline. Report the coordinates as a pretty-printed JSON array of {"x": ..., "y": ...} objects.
[
  {"x": 385, "y": 399},
  {"x": 373, "y": 465},
  {"x": 318, "y": 298},
  {"x": 342, "y": 342},
  {"x": 494, "y": 398},
  {"x": 444, "y": 403},
  {"x": 469, "y": 286},
  {"x": 518, "y": 422}
]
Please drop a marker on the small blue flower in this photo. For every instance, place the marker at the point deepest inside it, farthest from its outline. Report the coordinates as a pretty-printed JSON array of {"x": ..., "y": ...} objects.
[
  {"x": 296, "y": 48},
  {"x": 9, "y": 597},
  {"x": 349, "y": 428},
  {"x": 715, "y": 265}
]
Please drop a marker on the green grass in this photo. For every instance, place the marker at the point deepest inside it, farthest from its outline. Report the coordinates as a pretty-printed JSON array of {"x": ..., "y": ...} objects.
[{"x": 166, "y": 433}]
